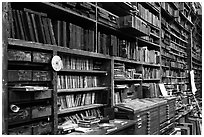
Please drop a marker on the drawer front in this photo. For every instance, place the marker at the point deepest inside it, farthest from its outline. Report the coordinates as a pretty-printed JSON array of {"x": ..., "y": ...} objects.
[
  {"x": 22, "y": 130},
  {"x": 42, "y": 128},
  {"x": 22, "y": 115},
  {"x": 19, "y": 75},
  {"x": 41, "y": 57},
  {"x": 19, "y": 96},
  {"x": 41, "y": 75},
  {"x": 41, "y": 111},
  {"x": 43, "y": 94},
  {"x": 17, "y": 55}
]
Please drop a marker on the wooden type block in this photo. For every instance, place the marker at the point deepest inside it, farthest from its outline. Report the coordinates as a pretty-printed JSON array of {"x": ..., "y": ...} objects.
[
  {"x": 42, "y": 128},
  {"x": 19, "y": 75},
  {"x": 22, "y": 130},
  {"x": 42, "y": 94},
  {"x": 41, "y": 111},
  {"x": 41, "y": 75},
  {"x": 22, "y": 115},
  {"x": 41, "y": 57},
  {"x": 17, "y": 55}
]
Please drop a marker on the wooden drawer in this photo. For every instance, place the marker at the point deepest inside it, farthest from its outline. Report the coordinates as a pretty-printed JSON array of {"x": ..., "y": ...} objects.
[
  {"x": 22, "y": 130},
  {"x": 41, "y": 111},
  {"x": 41, "y": 57},
  {"x": 42, "y": 128},
  {"x": 17, "y": 55},
  {"x": 43, "y": 94},
  {"x": 19, "y": 75},
  {"x": 19, "y": 96},
  {"x": 41, "y": 75},
  {"x": 22, "y": 115}
]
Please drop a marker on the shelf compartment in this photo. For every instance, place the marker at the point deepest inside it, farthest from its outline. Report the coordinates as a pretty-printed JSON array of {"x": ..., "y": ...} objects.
[
  {"x": 80, "y": 108},
  {"x": 125, "y": 60},
  {"x": 81, "y": 89},
  {"x": 148, "y": 42}
]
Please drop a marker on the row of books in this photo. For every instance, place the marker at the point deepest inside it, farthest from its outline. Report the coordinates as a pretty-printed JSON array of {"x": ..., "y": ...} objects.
[
  {"x": 131, "y": 21},
  {"x": 172, "y": 81},
  {"x": 150, "y": 90},
  {"x": 126, "y": 92},
  {"x": 151, "y": 73},
  {"x": 81, "y": 8},
  {"x": 70, "y": 81},
  {"x": 106, "y": 43},
  {"x": 120, "y": 72},
  {"x": 148, "y": 15},
  {"x": 173, "y": 73},
  {"x": 79, "y": 116},
  {"x": 174, "y": 46},
  {"x": 78, "y": 63},
  {"x": 73, "y": 36},
  {"x": 178, "y": 65},
  {"x": 32, "y": 26},
  {"x": 148, "y": 56},
  {"x": 68, "y": 101},
  {"x": 166, "y": 6}
]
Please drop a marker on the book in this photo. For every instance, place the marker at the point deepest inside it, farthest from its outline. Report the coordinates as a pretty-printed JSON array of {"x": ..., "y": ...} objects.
[{"x": 34, "y": 27}]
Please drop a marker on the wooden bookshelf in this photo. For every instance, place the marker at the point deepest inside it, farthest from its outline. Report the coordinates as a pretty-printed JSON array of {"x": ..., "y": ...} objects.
[{"x": 94, "y": 42}]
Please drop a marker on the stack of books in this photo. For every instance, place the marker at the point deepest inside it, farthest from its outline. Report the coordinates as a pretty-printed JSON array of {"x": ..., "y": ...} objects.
[{"x": 89, "y": 121}]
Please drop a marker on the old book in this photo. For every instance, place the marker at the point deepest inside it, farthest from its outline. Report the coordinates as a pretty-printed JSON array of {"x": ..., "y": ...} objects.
[
  {"x": 51, "y": 32},
  {"x": 64, "y": 34},
  {"x": 16, "y": 25},
  {"x": 40, "y": 28},
  {"x": 30, "y": 27},
  {"x": 35, "y": 27},
  {"x": 47, "y": 34},
  {"x": 20, "y": 25}
]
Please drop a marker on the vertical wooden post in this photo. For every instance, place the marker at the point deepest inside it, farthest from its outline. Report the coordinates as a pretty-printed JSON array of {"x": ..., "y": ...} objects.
[
  {"x": 54, "y": 103},
  {"x": 5, "y": 33}
]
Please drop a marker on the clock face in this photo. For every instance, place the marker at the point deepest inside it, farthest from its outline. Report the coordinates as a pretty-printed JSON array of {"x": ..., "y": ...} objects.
[{"x": 57, "y": 63}]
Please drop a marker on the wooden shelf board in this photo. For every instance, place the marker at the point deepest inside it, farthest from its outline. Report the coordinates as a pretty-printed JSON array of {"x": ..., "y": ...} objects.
[
  {"x": 148, "y": 42},
  {"x": 127, "y": 80},
  {"x": 80, "y": 108},
  {"x": 84, "y": 71},
  {"x": 81, "y": 89}
]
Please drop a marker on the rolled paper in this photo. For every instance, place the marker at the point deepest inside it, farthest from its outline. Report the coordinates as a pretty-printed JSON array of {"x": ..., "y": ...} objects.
[{"x": 14, "y": 108}]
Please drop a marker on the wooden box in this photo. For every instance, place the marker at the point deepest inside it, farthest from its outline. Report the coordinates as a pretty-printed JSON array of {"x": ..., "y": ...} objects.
[
  {"x": 41, "y": 111},
  {"x": 41, "y": 57},
  {"x": 22, "y": 115},
  {"x": 41, "y": 75},
  {"x": 19, "y": 75},
  {"x": 22, "y": 130},
  {"x": 42, "y": 128},
  {"x": 43, "y": 94},
  {"x": 17, "y": 55}
]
